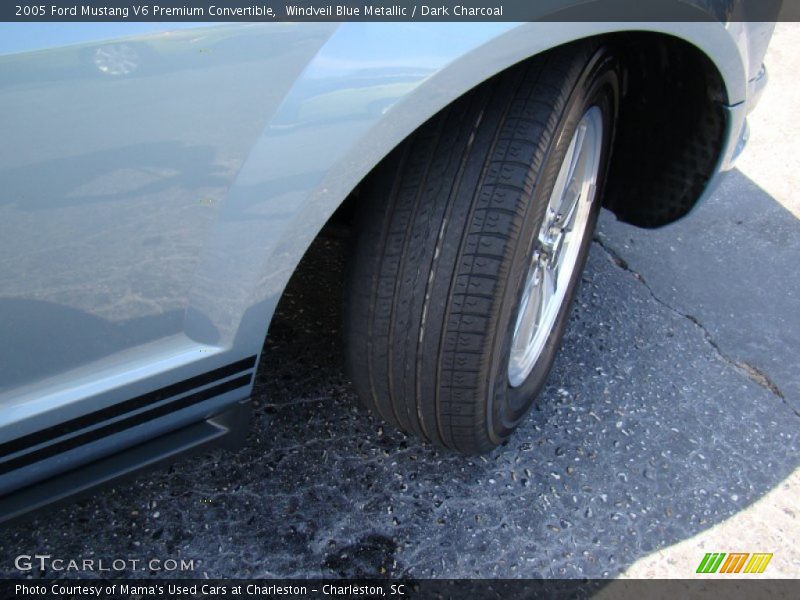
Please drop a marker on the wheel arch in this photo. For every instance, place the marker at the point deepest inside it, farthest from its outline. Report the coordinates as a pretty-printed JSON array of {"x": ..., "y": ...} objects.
[
  {"x": 712, "y": 46},
  {"x": 673, "y": 123}
]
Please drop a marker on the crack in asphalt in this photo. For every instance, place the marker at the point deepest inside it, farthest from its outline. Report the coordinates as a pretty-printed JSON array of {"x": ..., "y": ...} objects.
[{"x": 752, "y": 373}]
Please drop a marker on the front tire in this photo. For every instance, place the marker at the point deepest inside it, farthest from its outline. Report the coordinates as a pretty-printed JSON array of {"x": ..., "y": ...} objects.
[{"x": 442, "y": 338}]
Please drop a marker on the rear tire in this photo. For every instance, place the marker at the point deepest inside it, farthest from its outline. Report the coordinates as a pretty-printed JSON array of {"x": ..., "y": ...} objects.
[{"x": 448, "y": 228}]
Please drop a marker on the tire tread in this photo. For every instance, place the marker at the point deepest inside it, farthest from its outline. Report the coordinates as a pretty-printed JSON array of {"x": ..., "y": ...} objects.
[{"x": 435, "y": 237}]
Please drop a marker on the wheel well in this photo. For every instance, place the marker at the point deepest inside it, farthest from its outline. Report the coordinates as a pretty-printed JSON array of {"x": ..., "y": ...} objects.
[{"x": 670, "y": 131}]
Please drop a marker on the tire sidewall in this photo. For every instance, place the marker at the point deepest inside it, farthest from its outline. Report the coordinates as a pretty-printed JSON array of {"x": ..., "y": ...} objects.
[{"x": 597, "y": 84}]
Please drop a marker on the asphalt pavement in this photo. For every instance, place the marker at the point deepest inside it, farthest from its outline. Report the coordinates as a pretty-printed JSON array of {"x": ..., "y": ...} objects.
[{"x": 673, "y": 408}]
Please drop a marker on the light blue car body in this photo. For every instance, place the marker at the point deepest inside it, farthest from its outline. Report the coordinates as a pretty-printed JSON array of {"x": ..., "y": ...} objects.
[{"x": 159, "y": 183}]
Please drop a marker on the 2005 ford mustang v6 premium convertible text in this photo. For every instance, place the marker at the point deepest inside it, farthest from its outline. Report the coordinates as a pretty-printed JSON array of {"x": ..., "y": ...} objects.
[{"x": 161, "y": 182}]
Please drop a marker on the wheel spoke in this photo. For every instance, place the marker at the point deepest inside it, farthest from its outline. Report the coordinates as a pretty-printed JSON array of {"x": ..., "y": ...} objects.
[
  {"x": 568, "y": 198},
  {"x": 563, "y": 178},
  {"x": 549, "y": 283}
]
